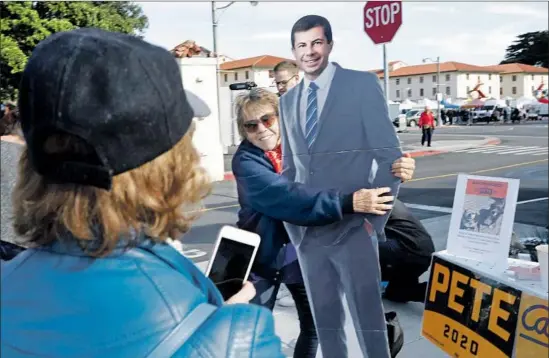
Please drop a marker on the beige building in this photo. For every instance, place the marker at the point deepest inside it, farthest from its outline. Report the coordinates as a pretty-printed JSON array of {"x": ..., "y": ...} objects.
[
  {"x": 258, "y": 69},
  {"x": 457, "y": 80},
  {"x": 461, "y": 80},
  {"x": 519, "y": 80}
]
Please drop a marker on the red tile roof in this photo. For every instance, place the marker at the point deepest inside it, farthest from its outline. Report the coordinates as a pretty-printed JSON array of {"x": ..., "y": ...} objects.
[
  {"x": 265, "y": 61},
  {"x": 519, "y": 68},
  {"x": 431, "y": 68}
]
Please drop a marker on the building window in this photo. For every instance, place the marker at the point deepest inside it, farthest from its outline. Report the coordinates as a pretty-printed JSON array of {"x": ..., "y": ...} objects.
[
  {"x": 434, "y": 91},
  {"x": 226, "y": 77},
  {"x": 501, "y": 78},
  {"x": 501, "y": 91},
  {"x": 514, "y": 78},
  {"x": 514, "y": 90},
  {"x": 468, "y": 89},
  {"x": 478, "y": 79},
  {"x": 421, "y": 79},
  {"x": 489, "y": 89},
  {"x": 489, "y": 77},
  {"x": 271, "y": 74},
  {"x": 532, "y": 77},
  {"x": 532, "y": 89},
  {"x": 247, "y": 75},
  {"x": 421, "y": 92},
  {"x": 434, "y": 78},
  {"x": 466, "y": 76},
  {"x": 398, "y": 93},
  {"x": 448, "y": 91},
  {"x": 447, "y": 77},
  {"x": 409, "y": 93},
  {"x": 236, "y": 76},
  {"x": 398, "y": 81},
  {"x": 409, "y": 80}
]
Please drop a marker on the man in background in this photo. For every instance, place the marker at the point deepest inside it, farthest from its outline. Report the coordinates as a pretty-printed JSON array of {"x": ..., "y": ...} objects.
[{"x": 286, "y": 76}]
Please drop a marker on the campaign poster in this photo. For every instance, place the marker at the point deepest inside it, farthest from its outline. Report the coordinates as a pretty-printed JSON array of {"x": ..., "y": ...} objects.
[
  {"x": 533, "y": 328},
  {"x": 482, "y": 219},
  {"x": 467, "y": 315}
]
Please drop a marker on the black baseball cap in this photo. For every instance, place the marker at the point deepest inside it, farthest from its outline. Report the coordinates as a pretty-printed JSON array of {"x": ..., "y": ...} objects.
[{"x": 121, "y": 95}]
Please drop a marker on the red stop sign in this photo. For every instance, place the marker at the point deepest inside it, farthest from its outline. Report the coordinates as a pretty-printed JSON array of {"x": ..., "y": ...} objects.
[{"x": 382, "y": 19}]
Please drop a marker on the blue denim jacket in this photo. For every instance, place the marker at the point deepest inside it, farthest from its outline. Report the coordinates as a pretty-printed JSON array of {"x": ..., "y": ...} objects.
[{"x": 58, "y": 302}]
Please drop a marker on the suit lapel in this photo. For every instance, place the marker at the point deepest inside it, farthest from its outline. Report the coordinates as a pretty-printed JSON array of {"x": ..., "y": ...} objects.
[{"x": 297, "y": 107}]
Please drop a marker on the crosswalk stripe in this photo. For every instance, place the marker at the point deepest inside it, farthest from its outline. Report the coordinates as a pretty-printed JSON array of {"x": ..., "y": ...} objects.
[
  {"x": 520, "y": 150},
  {"x": 503, "y": 150},
  {"x": 487, "y": 149}
]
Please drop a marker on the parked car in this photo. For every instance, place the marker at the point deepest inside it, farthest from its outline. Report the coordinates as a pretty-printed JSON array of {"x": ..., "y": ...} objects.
[{"x": 412, "y": 118}]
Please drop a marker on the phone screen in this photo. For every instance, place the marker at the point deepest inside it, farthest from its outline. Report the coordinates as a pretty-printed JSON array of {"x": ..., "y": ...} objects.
[{"x": 229, "y": 267}]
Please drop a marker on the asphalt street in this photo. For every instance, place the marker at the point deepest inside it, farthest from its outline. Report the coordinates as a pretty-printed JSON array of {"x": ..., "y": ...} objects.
[{"x": 522, "y": 154}]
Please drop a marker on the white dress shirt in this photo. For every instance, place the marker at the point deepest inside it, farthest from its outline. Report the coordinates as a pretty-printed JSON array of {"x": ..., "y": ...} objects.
[{"x": 323, "y": 82}]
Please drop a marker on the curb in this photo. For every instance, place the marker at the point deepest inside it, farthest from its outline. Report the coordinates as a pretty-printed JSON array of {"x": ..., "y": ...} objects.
[{"x": 413, "y": 154}]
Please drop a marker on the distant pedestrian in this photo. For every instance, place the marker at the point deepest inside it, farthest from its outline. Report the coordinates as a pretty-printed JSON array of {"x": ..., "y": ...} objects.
[{"x": 427, "y": 125}]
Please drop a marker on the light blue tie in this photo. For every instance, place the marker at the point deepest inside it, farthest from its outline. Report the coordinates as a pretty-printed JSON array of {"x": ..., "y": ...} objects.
[{"x": 311, "y": 124}]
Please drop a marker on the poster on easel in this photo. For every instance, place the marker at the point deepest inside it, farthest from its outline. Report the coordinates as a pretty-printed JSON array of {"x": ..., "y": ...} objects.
[{"x": 482, "y": 219}]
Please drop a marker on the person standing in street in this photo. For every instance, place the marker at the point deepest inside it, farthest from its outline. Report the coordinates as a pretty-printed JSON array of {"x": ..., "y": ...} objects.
[
  {"x": 427, "y": 125},
  {"x": 336, "y": 133}
]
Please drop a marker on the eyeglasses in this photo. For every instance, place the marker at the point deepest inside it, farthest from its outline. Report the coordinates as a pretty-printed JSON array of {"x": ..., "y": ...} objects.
[
  {"x": 252, "y": 126},
  {"x": 284, "y": 83}
]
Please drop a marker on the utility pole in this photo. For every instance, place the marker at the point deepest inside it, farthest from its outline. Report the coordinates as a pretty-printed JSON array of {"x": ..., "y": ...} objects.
[
  {"x": 437, "y": 92},
  {"x": 217, "y": 81}
]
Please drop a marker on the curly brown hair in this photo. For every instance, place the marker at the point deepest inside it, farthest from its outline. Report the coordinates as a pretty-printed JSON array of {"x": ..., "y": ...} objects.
[{"x": 153, "y": 198}]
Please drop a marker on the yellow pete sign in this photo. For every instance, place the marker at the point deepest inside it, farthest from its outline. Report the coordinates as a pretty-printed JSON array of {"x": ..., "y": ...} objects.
[
  {"x": 467, "y": 315},
  {"x": 533, "y": 328}
]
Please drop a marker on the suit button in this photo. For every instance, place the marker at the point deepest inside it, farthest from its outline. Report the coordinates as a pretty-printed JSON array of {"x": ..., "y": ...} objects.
[
  {"x": 312, "y": 173},
  {"x": 277, "y": 273},
  {"x": 284, "y": 245}
]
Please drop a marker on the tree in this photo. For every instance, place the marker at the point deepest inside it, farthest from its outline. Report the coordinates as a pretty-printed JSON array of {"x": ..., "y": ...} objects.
[
  {"x": 529, "y": 48},
  {"x": 25, "y": 24}
]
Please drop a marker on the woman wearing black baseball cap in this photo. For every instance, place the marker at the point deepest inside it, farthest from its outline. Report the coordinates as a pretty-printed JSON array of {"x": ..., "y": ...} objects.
[{"x": 107, "y": 175}]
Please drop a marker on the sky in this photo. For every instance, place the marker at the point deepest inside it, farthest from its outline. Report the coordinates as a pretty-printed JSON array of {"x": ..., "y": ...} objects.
[{"x": 471, "y": 32}]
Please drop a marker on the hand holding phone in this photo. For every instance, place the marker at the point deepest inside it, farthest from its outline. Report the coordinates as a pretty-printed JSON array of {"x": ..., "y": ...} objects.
[
  {"x": 245, "y": 295},
  {"x": 231, "y": 262}
]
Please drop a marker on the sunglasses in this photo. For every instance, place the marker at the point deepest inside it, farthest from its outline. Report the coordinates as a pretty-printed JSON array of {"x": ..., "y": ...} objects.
[{"x": 252, "y": 126}]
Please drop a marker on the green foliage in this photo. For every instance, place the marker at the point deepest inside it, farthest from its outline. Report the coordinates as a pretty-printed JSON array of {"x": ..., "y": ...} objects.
[
  {"x": 24, "y": 24},
  {"x": 529, "y": 48}
]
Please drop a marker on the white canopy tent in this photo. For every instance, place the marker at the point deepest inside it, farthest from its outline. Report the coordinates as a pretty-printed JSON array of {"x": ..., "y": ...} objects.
[
  {"x": 495, "y": 102},
  {"x": 523, "y": 101}
]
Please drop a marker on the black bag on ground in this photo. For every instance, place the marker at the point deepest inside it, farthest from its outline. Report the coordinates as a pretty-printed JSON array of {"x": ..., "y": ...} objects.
[{"x": 395, "y": 333}]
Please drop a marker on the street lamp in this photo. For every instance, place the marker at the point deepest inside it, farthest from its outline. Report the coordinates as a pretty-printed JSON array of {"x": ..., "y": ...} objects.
[
  {"x": 215, "y": 22},
  {"x": 439, "y": 117}
]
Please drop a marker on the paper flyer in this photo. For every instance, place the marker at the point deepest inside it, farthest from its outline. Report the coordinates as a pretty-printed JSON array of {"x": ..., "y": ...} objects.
[{"x": 482, "y": 219}]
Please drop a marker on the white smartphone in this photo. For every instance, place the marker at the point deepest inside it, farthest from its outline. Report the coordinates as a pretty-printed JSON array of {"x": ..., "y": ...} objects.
[{"x": 232, "y": 259}]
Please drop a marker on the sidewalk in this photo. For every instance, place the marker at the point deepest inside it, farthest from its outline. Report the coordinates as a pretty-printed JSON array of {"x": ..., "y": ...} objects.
[
  {"x": 409, "y": 314},
  {"x": 438, "y": 147}
]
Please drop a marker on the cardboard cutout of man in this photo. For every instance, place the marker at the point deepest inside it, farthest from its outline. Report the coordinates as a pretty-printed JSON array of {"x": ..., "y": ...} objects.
[{"x": 336, "y": 133}]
